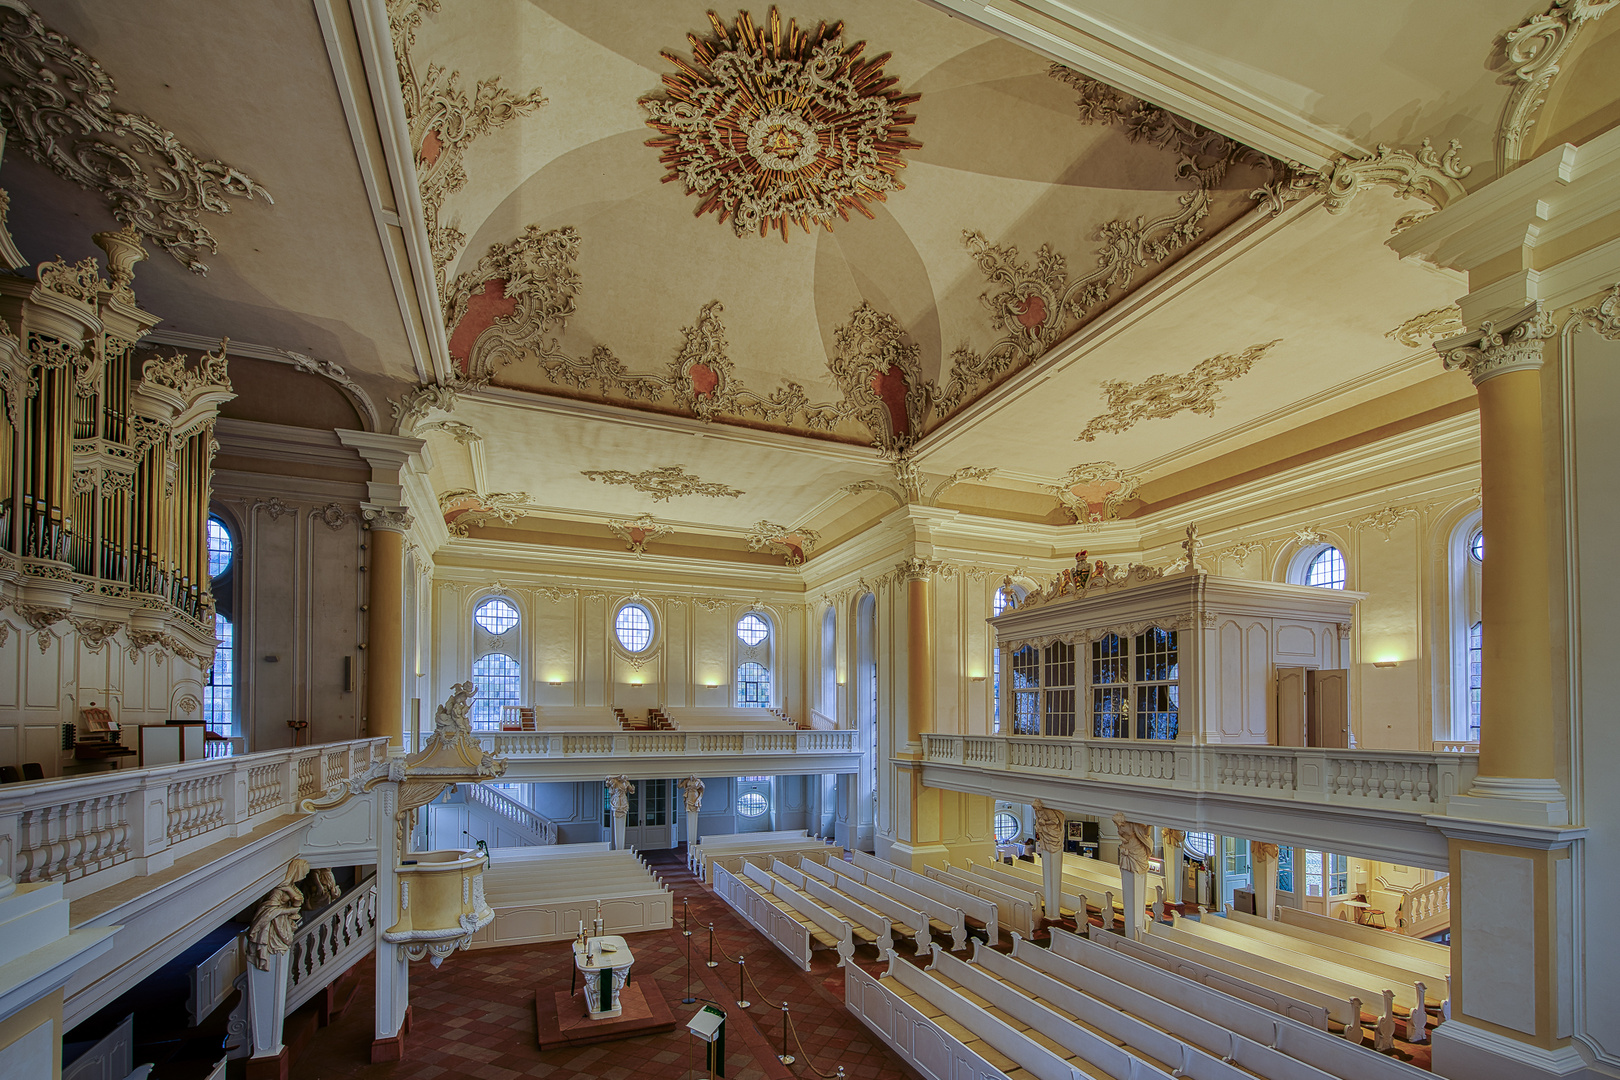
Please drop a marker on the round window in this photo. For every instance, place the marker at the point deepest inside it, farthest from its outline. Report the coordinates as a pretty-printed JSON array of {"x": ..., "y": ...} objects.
[
  {"x": 752, "y": 804},
  {"x": 1006, "y": 827},
  {"x": 634, "y": 627},
  {"x": 496, "y": 615},
  {"x": 1476, "y": 543},
  {"x": 220, "y": 547},
  {"x": 752, "y": 629}
]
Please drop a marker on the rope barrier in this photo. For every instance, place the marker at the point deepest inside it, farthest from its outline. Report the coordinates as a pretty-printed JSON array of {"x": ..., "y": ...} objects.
[{"x": 805, "y": 1057}]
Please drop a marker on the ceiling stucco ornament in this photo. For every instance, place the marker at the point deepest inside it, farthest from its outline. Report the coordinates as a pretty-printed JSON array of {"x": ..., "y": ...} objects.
[
  {"x": 1419, "y": 330},
  {"x": 965, "y": 474},
  {"x": 1095, "y": 491},
  {"x": 1240, "y": 552},
  {"x": 880, "y": 373},
  {"x": 464, "y": 508},
  {"x": 518, "y": 292},
  {"x": 1035, "y": 305},
  {"x": 792, "y": 544},
  {"x": 860, "y": 487},
  {"x": 443, "y": 123},
  {"x": 333, "y": 372},
  {"x": 1604, "y": 316},
  {"x": 638, "y": 532},
  {"x": 57, "y": 105},
  {"x": 1386, "y": 519},
  {"x": 1423, "y": 173},
  {"x": 413, "y": 406},
  {"x": 465, "y": 434},
  {"x": 1163, "y": 396},
  {"x": 772, "y": 126},
  {"x": 663, "y": 483},
  {"x": 1532, "y": 50}
]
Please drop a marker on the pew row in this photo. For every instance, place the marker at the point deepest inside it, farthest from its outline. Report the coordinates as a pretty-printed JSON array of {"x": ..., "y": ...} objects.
[
  {"x": 1251, "y": 1036},
  {"x": 1003, "y": 1045},
  {"x": 1012, "y": 912},
  {"x": 1073, "y": 885},
  {"x": 781, "y": 929},
  {"x": 869, "y": 926},
  {"x": 972, "y": 906},
  {"x": 1277, "y": 995},
  {"x": 1368, "y": 935},
  {"x": 941, "y": 917},
  {"x": 545, "y": 897},
  {"x": 1069, "y": 903},
  {"x": 1136, "y": 1035},
  {"x": 897, "y": 1017},
  {"x": 1350, "y": 953},
  {"x": 907, "y": 920},
  {"x": 827, "y": 928}
]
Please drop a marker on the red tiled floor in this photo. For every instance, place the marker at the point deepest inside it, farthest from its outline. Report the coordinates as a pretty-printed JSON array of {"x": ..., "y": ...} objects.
[{"x": 474, "y": 1016}]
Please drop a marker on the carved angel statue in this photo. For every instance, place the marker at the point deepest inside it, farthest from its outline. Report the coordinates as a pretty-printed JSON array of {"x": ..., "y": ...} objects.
[
  {"x": 1135, "y": 844},
  {"x": 1191, "y": 546},
  {"x": 320, "y": 888},
  {"x": 622, "y": 789},
  {"x": 275, "y": 920},
  {"x": 692, "y": 792},
  {"x": 452, "y": 717},
  {"x": 1048, "y": 827}
]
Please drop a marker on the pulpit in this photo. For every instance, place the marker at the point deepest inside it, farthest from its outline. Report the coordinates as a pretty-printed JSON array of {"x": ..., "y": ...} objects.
[{"x": 605, "y": 964}]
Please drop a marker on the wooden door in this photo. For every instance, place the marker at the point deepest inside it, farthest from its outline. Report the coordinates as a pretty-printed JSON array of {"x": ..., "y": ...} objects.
[
  {"x": 1289, "y": 729},
  {"x": 1328, "y": 709}
]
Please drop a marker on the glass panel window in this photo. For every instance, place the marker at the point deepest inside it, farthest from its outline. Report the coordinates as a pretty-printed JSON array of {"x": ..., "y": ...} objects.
[
  {"x": 751, "y": 805},
  {"x": 220, "y": 547},
  {"x": 219, "y": 697},
  {"x": 751, "y": 629},
  {"x": 1313, "y": 873},
  {"x": 1236, "y": 853},
  {"x": 1026, "y": 676},
  {"x": 1110, "y": 699},
  {"x": 1326, "y": 570},
  {"x": 1158, "y": 695},
  {"x": 753, "y": 686},
  {"x": 633, "y": 626},
  {"x": 1338, "y": 875},
  {"x": 1059, "y": 689},
  {"x": 499, "y": 682},
  {"x": 496, "y": 615},
  {"x": 1476, "y": 545},
  {"x": 1285, "y": 868},
  {"x": 1200, "y": 845},
  {"x": 1476, "y": 666},
  {"x": 1006, "y": 827},
  {"x": 995, "y": 691}
]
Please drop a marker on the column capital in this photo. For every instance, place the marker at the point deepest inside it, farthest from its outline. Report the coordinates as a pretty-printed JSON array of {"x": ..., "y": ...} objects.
[
  {"x": 386, "y": 519},
  {"x": 919, "y": 569},
  {"x": 1514, "y": 344}
]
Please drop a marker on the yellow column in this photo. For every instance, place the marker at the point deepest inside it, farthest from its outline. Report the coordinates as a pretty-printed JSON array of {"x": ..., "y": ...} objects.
[
  {"x": 919, "y": 659},
  {"x": 385, "y": 626},
  {"x": 1517, "y": 740}
]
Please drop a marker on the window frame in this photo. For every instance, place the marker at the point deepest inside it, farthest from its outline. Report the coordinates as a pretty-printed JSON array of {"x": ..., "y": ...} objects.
[
  {"x": 995, "y": 826},
  {"x": 223, "y": 589},
  {"x": 1464, "y": 575},
  {"x": 654, "y": 637},
  {"x": 510, "y": 643},
  {"x": 741, "y": 680}
]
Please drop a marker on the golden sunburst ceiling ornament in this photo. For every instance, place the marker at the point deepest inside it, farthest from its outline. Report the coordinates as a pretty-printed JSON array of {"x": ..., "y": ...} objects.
[{"x": 772, "y": 126}]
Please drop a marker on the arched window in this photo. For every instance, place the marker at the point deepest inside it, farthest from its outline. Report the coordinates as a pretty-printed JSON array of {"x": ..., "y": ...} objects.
[
  {"x": 753, "y": 686},
  {"x": 633, "y": 626},
  {"x": 866, "y": 683},
  {"x": 1004, "y": 598},
  {"x": 1476, "y": 665},
  {"x": 1006, "y": 827},
  {"x": 219, "y": 696},
  {"x": 496, "y": 671},
  {"x": 753, "y": 661},
  {"x": 1326, "y": 570},
  {"x": 1465, "y": 630}
]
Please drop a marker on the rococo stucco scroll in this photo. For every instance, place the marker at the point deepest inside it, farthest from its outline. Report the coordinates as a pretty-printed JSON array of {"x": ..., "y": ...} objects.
[
  {"x": 1163, "y": 396},
  {"x": 57, "y": 105},
  {"x": 665, "y": 482},
  {"x": 772, "y": 126}
]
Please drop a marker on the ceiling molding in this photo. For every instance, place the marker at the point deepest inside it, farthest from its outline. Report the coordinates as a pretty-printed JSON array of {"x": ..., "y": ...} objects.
[
  {"x": 281, "y": 443},
  {"x": 324, "y": 369},
  {"x": 1096, "y": 48},
  {"x": 467, "y": 559},
  {"x": 361, "y": 52}
]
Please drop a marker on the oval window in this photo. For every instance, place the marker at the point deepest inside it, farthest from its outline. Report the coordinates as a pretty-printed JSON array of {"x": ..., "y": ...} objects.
[{"x": 634, "y": 627}]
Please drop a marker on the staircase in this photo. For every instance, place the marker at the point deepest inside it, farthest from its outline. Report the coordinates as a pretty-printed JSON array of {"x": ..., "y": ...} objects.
[
  {"x": 502, "y": 821},
  {"x": 1427, "y": 909}
]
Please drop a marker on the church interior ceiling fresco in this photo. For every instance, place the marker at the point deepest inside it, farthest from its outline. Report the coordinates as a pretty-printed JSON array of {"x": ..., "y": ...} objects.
[{"x": 761, "y": 274}]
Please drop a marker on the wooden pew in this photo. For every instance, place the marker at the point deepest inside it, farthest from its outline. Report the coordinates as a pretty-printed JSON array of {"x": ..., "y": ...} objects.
[
  {"x": 868, "y": 925},
  {"x": 1017, "y": 886},
  {"x": 903, "y": 917},
  {"x": 1068, "y": 902},
  {"x": 822, "y": 923},
  {"x": 1350, "y": 953},
  {"x": 1013, "y": 912},
  {"x": 1380, "y": 939},
  {"x": 1073, "y": 884},
  {"x": 972, "y": 905},
  {"x": 1284, "y": 961},
  {"x": 1135, "y": 1033},
  {"x": 548, "y": 851},
  {"x": 1012, "y": 1048},
  {"x": 1246, "y": 1032},
  {"x": 781, "y": 928},
  {"x": 941, "y": 916},
  {"x": 908, "y": 1025}
]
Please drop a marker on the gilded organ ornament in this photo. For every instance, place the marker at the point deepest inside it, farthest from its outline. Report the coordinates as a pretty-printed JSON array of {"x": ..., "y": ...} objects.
[{"x": 772, "y": 126}]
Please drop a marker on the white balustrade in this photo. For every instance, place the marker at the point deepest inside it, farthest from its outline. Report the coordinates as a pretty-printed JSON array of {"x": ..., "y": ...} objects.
[
  {"x": 564, "y": 745},
  {"x": 106, "y": 827},
  {"x": 330, "y": 941},
  {"x": 544, "y": 829},
  {"x": 1418, "y": 782}
]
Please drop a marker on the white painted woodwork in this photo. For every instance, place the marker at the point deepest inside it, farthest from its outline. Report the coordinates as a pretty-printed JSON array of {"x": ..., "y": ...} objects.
[
  {"x": 972, "y": 905},
  {"x": 111, "y": 1058},
  {"x": 213, "y": 980},
  {"x": 1014, "y": 911},
  {"x": 903, "y": 1027},
  {"x": 1291, "y": 707}
]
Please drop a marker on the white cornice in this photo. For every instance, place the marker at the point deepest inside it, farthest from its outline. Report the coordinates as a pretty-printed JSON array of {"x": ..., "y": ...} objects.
[
  {"x": 623, "y": 416},
  {"x": 1096, "y": 48},
  {"x": 374, "y": 109},
  {"x": 468, "y": 560},
  {"x": 279, "y": 442}
]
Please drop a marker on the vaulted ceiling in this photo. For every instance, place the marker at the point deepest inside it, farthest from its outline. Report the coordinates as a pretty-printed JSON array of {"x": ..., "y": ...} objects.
[{"x": 753, "y": 276}]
